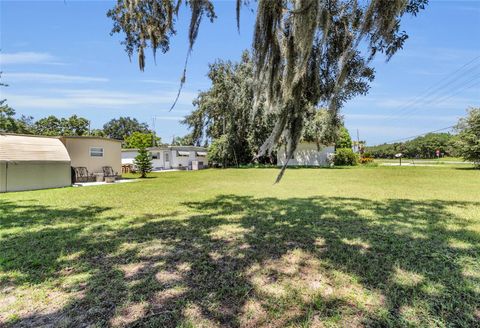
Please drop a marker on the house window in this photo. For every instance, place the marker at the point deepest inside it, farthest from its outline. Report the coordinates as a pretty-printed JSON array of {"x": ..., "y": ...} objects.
[
  {"x": 96, "y": 152},
  {"x": 155, "y": 155},
  {"x": 166, "y": 157},
  {"x": 182, "y": 153}
]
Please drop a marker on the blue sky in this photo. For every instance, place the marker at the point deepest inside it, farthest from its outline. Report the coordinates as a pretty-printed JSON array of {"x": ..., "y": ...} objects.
[{"x": 59, "y": 58}]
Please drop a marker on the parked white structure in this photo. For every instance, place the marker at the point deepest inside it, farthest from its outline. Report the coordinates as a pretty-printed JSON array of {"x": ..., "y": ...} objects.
[
  {"x": 307, "y": 154},
  {"x": 33, "y": 162},
  {"x": 171, "y": 157}
]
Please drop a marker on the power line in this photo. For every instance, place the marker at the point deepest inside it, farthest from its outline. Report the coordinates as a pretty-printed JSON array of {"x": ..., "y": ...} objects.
[
  {"x": 442, "y": 84},
  {"x": 427, "y": 97},
  {"x": 465, "y": 86},
  {"x": 419, "y": 135}
]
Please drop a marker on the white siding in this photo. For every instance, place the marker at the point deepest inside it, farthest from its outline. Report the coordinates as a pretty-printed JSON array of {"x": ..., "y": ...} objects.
[
  {"x": 306, "y": 154},
  {"x": 128, "y": 156},
  {"x": 202, "y": 159},
  {"x": 3, "y": 177},
  {"x": 179, "y": 161},
  {"x": 174, "y": 160},
  {"x": 18, "y": 176}
]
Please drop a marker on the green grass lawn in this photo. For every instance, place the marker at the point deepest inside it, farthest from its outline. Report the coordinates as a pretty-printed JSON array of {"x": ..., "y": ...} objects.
[{"x": 378, "y": 246}]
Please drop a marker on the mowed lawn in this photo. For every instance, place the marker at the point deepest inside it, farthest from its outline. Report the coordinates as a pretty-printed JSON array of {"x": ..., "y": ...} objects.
[{"x": 378, "y": 246}]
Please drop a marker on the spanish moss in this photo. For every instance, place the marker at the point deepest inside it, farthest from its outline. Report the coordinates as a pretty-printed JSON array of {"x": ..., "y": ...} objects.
[{"x": 306, "y": 53}]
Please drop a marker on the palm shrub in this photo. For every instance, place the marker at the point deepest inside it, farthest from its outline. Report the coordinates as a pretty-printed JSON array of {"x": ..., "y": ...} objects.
[
  {"x": 143, "y": 162},
  {"x": 345, "y": 157}
]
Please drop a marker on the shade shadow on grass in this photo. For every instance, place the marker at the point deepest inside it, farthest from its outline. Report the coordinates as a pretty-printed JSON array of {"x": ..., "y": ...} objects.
[{"x": 205, "y": 268}]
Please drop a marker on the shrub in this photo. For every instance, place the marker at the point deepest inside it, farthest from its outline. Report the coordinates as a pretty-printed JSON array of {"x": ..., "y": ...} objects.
[
  {"x": 345, "y": 157},
  {"x": 143, "y": 162}
]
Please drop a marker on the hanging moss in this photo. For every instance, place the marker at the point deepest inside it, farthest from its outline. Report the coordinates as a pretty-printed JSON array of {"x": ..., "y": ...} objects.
[{"x": 306, "y": 52}]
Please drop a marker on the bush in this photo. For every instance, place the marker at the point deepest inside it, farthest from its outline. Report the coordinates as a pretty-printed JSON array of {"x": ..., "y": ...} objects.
[{"x": 345, "y": 157}]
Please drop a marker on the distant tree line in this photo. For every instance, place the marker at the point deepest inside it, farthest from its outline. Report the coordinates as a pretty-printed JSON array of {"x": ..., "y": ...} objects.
[
  {"x": 465, "y": 142},
  {"x": 133, "y": 133},
  {"x": 421, "y": 147}
]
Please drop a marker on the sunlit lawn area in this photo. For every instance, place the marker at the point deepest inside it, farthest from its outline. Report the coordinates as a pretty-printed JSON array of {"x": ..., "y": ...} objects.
[
  {"x": 451, "y": 161},
  {"x": 378, "y": 246}
]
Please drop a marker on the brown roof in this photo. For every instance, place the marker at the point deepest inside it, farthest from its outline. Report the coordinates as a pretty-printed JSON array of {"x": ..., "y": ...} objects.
[
  {"x": 32, "y": 149},
  {"x": 89, "y": 137}
]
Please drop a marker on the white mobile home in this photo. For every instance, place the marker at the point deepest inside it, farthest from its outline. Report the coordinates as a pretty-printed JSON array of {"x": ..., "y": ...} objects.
[
  {"x": 307, "y": 154},
  {"x": 33, "y": 162},
  {"x": 170, "y": 157}
]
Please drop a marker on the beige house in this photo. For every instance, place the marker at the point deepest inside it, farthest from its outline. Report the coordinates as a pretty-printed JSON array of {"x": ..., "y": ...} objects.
[
  {"x": 307, "y": 154},
  {"x": 33, "y": 162},
  {"x": 94, "y": 153}
]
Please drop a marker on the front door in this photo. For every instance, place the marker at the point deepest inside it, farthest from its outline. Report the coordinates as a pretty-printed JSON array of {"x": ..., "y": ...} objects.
[{"x": 166, "y": 157}]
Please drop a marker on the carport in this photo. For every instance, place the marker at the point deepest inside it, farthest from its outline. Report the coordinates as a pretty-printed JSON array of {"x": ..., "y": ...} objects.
[{"x": 33, "y": 162}]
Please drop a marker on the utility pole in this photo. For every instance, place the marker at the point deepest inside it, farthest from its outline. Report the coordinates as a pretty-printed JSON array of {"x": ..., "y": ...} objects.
[
  {"x": 358, "y": 142},
  {"x": 154, "y": 132}
]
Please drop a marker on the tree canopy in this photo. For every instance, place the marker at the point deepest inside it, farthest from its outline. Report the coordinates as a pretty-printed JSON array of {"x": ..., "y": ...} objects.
[
  {"x": 54, "y": 126},
  {"x": 223, "y": 114},
  {"x": 186, "y": 140},
  {"x": 139, "y": 140},
  {"x": 344, "y": 140},
  {"x": 223, "y": 117},
  {"x": 124, "y": 127},
  {"x": 306, "y": 53},
  {"x": 468, "y": 139}
]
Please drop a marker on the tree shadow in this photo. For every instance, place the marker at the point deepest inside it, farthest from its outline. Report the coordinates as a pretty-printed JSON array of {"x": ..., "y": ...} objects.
[{"x": 245, "y": 261}]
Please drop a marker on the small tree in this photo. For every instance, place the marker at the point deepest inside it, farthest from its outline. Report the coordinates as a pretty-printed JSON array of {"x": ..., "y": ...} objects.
[
  {"x": 468, "y": 138},
  {"x": 218, "y": 153},
  {"x": 344, "y": 140},
  {"x": 143, "y": 162},
  {"x": 140, "y": 139}
]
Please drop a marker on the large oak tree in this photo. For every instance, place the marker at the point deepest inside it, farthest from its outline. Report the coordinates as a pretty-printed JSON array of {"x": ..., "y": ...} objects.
[{"x": 306, "y": 52}]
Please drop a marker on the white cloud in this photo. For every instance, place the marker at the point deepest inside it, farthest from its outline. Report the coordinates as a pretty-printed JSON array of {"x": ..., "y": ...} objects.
[
  {"x": 438, "y": 54},
  {"x": 392, "y": 132},
  {"x": 169, "y": 118},
  {"x": 439, "y": 102},
  {"x": 51, "y": 78},
  {"x": 372, "y": 117},
  {"x": 96, "y": 99},
  {"x": 161, "y": 82},
  {"x": 28, "y": 57}
]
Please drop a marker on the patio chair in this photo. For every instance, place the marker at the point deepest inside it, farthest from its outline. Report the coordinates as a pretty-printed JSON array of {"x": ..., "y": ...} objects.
[
  {"x": 108, "y": 172},
  {"x": 81, "y": 174}
]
